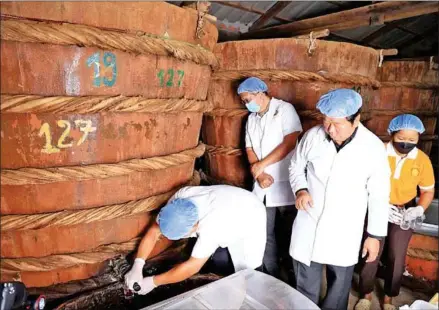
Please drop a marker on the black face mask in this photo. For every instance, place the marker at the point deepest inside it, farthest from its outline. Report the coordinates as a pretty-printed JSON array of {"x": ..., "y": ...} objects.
[{"x": 404, "y": 147}]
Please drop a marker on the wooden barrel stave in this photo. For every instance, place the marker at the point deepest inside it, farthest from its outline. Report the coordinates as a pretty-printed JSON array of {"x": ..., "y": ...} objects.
[
  {"x": 154, "y": 18},
  {"x": 111, "y": 138},
  {"x": 53, "y": 70}
]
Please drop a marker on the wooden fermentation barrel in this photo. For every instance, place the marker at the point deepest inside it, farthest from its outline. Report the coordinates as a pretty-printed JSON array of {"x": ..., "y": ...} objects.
[
  {"x": 422, "y": 258},
  {"x": 295, "y": 71},
  {"x": 101, "y": 114},
  {"x": 406, "y": 87}
]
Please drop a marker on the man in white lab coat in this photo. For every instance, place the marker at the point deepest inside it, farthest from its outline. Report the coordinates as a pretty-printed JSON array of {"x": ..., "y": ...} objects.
[
  {"x": 229, "y": 224},
  {"x": 339, "y": 171},
  {"x": 270, "y": 137}
]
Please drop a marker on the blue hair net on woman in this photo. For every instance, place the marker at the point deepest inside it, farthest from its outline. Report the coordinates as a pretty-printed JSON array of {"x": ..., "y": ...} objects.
[
  {"x": 177, "y": 218},
  {"x": 406, "y": 121}
]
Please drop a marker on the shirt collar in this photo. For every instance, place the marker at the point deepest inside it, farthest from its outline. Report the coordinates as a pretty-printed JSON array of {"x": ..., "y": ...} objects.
[
  {"x": 391, "y": 152},
  {"x": 266, "y": 112},
  {"x": 346, "y": 142}
]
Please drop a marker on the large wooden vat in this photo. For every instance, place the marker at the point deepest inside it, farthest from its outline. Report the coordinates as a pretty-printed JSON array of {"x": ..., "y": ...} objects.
[
  {"x": 422, "y": 258},
  {"x": 406, "y": 87},
  {"x": 101, "y": 114},
  {"x": 293, "y": 73}
]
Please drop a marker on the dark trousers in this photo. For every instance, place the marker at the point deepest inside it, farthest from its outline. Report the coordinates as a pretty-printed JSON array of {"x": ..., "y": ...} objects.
[
  {"x": 279, "y": 226},
  {"x": 219, "y": 263},
  {"x": 308, "y": 281},
  {"x": 395, "y": 249}
]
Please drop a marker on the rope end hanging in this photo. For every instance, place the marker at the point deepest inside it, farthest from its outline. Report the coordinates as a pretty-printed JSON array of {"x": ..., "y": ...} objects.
[
  {"x": 433, "y": 65},
  {"x": 381, "y": 59},
  {"x": 202, "y": 9},
  {"x": 312, "y": 43}
]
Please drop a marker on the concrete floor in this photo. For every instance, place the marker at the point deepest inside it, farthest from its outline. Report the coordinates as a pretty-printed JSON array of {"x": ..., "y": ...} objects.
[{"x": 406, "y": 296}]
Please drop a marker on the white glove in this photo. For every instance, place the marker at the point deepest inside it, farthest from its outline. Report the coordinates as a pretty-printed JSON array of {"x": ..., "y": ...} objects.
[
  {"x": 395, "y": 216},
  {"x": 414, "y": 212},
  {"x": 135, "y": 274},
  {"x": 147, "y": 285}
]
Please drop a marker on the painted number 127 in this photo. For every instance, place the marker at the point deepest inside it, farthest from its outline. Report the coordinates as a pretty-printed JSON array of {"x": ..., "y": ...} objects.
[
  {"x": 85, "y": 126},
  {"x": 167, "y": 79}
]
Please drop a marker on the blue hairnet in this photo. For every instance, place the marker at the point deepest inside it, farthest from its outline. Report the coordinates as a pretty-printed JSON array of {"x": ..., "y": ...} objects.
[
  {"x": 341, "y": 102},
  {"x": 406, "y": 121},
  {"x": 177, "y": 218},
  {"x": 252, "y": 85}
]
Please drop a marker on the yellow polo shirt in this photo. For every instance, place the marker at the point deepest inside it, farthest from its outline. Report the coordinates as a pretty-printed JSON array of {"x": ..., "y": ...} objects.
[{"x": 408, "y": 173}]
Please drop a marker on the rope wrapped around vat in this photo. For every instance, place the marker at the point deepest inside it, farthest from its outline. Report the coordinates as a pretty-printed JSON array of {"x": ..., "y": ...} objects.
[
  {"x": 104, "y": 213},
  {"x": 74, "y": 34},
  {"x": 96, "y": 104},
  {"x": 48, "y": 175}
]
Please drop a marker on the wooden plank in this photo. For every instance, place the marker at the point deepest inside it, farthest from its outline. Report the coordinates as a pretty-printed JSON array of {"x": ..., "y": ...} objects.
[
  {"x": 273, "y": 11},
  {"x": 390, "y": 52},
  {"x": 385, "y": 11},
  {"x": 315, "y": 35}
]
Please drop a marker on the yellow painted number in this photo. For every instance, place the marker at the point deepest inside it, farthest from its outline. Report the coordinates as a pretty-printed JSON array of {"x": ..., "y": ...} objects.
[
  {"x": 48, "y": 147},
  {"x": 66, "y": 125},
  {"x": 85, "y": 126}
]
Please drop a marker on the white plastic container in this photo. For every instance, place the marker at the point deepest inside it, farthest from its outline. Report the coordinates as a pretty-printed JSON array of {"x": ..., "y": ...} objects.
[
  {"x": 244, "y": 290},
  {"x": 420, "y": 305}
]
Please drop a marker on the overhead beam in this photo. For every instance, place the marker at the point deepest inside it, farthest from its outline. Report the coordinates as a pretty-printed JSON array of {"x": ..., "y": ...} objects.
[
  {"x": 271, "y": 12},
  {"x": 363, "y": 16}
]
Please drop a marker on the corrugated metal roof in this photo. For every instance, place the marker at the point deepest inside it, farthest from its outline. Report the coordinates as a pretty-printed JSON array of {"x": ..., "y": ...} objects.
[
  {"x": 360, "y": 32},
  {"x": 233, "y": 20},
  {"x": 304, "y": 9}
]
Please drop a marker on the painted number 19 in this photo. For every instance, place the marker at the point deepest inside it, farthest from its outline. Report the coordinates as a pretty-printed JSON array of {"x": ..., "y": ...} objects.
[
  {"x": 168, "y": 79},
  {"x": 109, "y": 62}
]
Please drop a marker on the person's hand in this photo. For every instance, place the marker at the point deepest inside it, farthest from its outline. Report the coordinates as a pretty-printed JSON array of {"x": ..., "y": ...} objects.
[
  {"x": 265, "y": 180},
  {"x": 257, "y": 169},
  {"x": 395, "y": 215},
  {"x": 146, "y": 285},
  {"x": 135, "y": 274},
  {"x": 413, "y": 212},
  {"x": 303, "y": 200},
  {"x": 371, "y": 248}
]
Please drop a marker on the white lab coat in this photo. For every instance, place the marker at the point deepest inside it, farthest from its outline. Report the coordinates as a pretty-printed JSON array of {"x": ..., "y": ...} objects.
[
  {"x": 343, "y": 186},
  {"x": 229, "y": 217},
  {"x": 263, "y": 135}
]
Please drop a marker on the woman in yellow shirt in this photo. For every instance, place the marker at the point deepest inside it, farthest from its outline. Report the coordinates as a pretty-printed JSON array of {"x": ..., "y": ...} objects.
[{"x": 411, "y": 168}]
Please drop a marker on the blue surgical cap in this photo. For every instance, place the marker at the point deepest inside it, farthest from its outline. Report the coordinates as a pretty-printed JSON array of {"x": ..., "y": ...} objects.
[
  {"x": 406, "y": 121},
  {"x": 177, "y": 218},
  {"x": 341, "y": 102},
  {"x": 252, "y": 85}
]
